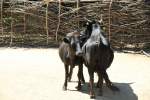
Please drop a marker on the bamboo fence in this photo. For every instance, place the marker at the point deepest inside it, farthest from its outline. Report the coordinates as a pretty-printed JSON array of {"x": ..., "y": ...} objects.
[{"x": 127, "y": 24}]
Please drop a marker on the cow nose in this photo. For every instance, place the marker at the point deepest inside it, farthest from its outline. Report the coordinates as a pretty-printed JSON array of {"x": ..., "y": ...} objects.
[{"x": 79, "y": 53}]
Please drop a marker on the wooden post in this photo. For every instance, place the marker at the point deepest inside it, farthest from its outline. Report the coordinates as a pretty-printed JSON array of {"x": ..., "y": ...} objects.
[
  {"x": 58, "y": 21},
  {"x": 110, "y": 19},
  {"x": 24, "y": 19},
  {"x": 2, "y": 17},
  {"x": 78, "y": 5},
  {"x": 11, "y": 32},
  {"x": 47, "y": 22}
]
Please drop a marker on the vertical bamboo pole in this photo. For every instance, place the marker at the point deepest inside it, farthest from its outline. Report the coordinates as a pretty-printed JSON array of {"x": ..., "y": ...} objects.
[
  {"x": 24, "y": 19},
  {"x": 110, "y": 19},
  {"x": 2, "y": 17},
  {"x": 58, "y": 21},
  {"x": 47, "y": 33},
  {"x": 78, "y": 5},
  {"x": 11, "y": 33}
]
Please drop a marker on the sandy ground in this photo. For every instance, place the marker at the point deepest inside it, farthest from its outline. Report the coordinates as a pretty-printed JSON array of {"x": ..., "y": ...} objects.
[{"x": 38, "y": 74}]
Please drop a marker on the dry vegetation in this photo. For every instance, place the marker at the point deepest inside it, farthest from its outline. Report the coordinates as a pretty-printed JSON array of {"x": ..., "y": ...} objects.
[{"x": 26, "y": 24}]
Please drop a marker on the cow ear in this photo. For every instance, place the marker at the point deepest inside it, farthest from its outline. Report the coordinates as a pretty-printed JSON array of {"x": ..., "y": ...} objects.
[
  {"x": 85, "y": 24},
  {"x": 66, "y": 40}
]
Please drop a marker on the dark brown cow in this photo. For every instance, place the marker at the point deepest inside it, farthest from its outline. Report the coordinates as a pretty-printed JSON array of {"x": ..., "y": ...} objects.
[{"x": 70, "y": 53}]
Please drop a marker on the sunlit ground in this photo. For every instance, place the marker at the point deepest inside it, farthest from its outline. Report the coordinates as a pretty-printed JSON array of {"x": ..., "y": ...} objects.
[{"x": 38, "y": 74}]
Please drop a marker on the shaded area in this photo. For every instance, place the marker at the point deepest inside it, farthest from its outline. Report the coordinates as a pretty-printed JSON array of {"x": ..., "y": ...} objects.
[{"x": 126, "y": 92}]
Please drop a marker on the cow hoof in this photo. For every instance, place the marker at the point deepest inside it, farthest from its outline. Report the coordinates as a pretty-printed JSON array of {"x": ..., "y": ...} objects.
[
  {"x": 92, "y": 96},
  {"x": 114, "y": 88},
  {"x": 83, "y": 81},
  {"x": 64, "y": 88},
  {"x": 78, "y": 88}
]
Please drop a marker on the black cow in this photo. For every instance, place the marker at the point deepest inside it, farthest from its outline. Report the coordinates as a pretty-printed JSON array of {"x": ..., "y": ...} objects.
[
  {"x": 70, "y": 53},
  {"x": 84, "y": 35},
  {"x": 98, "y": 56}
]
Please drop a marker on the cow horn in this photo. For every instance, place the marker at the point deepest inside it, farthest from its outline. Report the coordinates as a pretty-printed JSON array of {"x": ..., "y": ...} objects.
[{"x": 101, "y": 20}]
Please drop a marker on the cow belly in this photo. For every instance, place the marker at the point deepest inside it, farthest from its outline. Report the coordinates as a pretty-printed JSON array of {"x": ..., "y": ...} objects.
[
  {"x": 105, "y": 59},
  {"x": 98, "y": 58}
]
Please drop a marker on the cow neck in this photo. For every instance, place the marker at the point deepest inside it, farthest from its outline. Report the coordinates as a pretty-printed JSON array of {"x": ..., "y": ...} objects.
[
  {"x": 71, "y": 53},
  {"x": 103, "y": 39},
  {"x": 98, "y": 37},
  {"x": 88, "y": 31}
]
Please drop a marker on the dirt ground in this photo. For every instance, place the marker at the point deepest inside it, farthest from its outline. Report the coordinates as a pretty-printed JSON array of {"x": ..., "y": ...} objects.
[{"x": 38, "y": 74}]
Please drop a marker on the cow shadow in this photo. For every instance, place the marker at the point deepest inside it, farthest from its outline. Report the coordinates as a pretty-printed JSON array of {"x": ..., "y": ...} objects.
[{"x": 126, "y": 92}]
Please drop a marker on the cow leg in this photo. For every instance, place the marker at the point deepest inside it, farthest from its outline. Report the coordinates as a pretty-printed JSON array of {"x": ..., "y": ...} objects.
[
  {"x": 108, "y": 82},
  {"x": 79, "y": 76},
  {"x": 82, "y": 76},
  {"x": 66, "y": 77},
  {"x": 91, "y": 74},
  {"x": 70, "y": 73},
  {"x": 100, "y": 84}
]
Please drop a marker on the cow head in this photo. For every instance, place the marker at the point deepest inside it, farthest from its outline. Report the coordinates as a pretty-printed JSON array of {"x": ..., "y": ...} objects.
[
  {"x": 92, "y": 24},
  {"x": 74, "y": 43},
  {"x": 90, "y": 27},
  {"x": 96, "y": 27}
]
